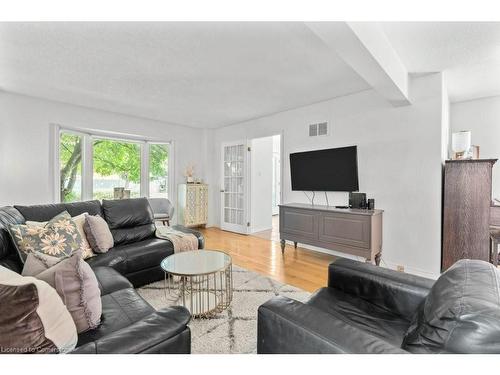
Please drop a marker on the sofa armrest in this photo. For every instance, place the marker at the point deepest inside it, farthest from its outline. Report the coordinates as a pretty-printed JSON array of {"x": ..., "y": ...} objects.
[
  {"x": 199, "y": 235},
  {"x": 164, "y": 331},
  {"x": 398, "y": 292},
  {"x": 286, "y": 326}
]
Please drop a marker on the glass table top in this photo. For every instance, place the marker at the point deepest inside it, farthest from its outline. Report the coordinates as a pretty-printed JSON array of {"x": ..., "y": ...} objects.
[{"x": 197, "y": 262}]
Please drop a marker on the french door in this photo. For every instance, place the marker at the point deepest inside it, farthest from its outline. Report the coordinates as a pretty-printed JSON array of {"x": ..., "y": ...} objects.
[{"x": 234, "y": 187}]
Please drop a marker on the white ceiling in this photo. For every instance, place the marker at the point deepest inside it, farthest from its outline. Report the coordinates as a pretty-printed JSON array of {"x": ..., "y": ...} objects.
[
  {"x": 216, "y": 74},
  {"x": 468, "y": 53},
  {"x": 196, "y": 74}
]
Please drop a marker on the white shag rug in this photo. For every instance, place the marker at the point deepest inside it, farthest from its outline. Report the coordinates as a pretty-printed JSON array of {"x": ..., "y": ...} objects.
[{"x": 233, "y": 331}]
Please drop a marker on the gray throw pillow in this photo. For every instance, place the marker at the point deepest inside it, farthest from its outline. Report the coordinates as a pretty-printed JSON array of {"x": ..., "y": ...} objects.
[
  {"x": 98, "y": 234},
  {"x": 77, "y": 285},
  {"x": 37, "y": 263}
]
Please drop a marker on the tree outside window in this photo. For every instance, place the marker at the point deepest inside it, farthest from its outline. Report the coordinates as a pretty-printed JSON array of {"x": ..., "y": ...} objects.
[
  {"x": 70, "y": 160},
  {"x": 116, "y": 164}
]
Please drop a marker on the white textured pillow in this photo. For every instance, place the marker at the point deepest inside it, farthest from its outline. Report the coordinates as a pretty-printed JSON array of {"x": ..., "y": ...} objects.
[{"x": 59, "y": 330}]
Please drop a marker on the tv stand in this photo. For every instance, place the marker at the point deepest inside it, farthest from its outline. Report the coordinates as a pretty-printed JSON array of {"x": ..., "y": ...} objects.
[{"x": 352, "y": 231}]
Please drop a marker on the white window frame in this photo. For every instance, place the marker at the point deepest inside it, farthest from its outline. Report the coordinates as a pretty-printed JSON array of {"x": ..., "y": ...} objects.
[{"x": 88, "y": 137}]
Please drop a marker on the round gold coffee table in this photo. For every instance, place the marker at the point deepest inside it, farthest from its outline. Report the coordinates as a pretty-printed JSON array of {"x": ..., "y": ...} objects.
[{"x": 202, "y": 279}]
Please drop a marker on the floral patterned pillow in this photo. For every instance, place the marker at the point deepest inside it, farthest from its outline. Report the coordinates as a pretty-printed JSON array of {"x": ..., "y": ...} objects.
[{"x": 58, "y": 238}]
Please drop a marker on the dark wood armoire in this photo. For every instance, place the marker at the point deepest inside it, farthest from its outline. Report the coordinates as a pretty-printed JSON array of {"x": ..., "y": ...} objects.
[{"x": 466, "y": 210}]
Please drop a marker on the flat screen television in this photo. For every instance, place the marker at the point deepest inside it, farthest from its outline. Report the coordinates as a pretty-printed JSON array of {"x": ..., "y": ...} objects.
[{"x": 334, "y": 169}]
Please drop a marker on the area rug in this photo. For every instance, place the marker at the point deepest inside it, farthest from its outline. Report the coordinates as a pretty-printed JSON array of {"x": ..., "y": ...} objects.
[{"x": 234, "y": 331}]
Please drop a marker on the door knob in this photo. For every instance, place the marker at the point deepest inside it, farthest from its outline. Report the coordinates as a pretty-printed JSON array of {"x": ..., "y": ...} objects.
[{"x": 222, "y": 190}]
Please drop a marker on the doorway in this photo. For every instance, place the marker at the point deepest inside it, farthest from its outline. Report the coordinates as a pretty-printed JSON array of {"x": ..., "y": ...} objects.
[{"x": 265, "y": 186}]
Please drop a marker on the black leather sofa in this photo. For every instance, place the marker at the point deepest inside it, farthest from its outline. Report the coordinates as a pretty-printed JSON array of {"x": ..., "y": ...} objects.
[
  {"x": 128, "y": 323},
  {"x": 368, "y": 309}
]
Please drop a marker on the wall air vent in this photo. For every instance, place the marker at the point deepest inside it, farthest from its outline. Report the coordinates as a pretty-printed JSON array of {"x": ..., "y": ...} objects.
[
  {"x": 318, "y": 129},
  {"x": 313, "y": 130},
  {"x": 323, "y": 128}
]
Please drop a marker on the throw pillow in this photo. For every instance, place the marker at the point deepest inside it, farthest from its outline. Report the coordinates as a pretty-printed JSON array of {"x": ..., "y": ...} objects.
[
  {"x": 86, "y": 249},
  {"x": 77, "y": 285},
  {"x": 33, "y": 318},
  {"x": 79, "y": 221},
  {"x": 38, "y": 262},
  {"x": 98, "y": 234},
  {"x": 58, "y": 238}
]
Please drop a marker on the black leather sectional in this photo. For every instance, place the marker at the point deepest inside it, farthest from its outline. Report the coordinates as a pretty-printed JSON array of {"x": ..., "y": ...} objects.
[
  {"x": 368, "y": 309},
  {"x": 128, "y": 324}
]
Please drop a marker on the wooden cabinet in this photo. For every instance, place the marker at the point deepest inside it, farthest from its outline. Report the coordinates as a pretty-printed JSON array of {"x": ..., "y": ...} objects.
[
  {"x": 352, "y": 231},
  {"x": 192, "y": 204},
  {"x": 466, "y": 210}
]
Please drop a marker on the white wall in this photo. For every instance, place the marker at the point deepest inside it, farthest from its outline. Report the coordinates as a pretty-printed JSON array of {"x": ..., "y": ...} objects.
[
  {"x": 261, "y": 189},
  {"x": 399, "y": 156},
  {"x": 482, "y": 117},
  {"x": 399, "y": 162},
  {"x": 25, "y": 159}
]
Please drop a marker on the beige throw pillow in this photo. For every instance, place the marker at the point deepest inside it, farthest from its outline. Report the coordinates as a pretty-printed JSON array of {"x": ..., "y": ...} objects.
[
  {"x": 98, "y": 234},
  {"x": 79, "y": 222},
  {"x": 77, "y": 285},
  {"x": 33, "y": 318}
]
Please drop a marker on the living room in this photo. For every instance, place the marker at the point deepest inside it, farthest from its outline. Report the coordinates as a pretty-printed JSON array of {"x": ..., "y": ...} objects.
[{"x": 129, "y": 161}]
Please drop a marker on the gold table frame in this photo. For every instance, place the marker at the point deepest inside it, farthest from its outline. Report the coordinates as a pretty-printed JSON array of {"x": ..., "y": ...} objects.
[{"x": 203, "y": 294}]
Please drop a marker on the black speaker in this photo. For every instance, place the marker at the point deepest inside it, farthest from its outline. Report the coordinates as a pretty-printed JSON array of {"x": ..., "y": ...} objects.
[
  {"x": 357, "y": 200},
  {"x": 371, "y": 204}
]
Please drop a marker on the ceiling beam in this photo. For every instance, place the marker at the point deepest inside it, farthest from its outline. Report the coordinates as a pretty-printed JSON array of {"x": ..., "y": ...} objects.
[{"x": 364, "y": 46}]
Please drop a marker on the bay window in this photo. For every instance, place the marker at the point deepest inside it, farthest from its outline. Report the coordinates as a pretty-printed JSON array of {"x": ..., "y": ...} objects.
[{"x": 97, "y": 166}]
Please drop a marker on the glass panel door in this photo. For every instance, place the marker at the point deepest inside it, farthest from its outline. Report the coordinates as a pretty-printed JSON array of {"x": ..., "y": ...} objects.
[{"x": 233, "y": 192}]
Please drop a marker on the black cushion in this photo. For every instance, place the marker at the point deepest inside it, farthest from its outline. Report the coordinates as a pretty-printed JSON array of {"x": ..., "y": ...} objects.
[
  {"x": 133, "y": 257},
  {"x": 461, "y": 313},
  {"x": 162, "y": 332},
  {"x": 362, "y": 314},
  {"x": 110, "y": 280},
  {"x": 45, "y": 212},
  {"x": 9, "y": 257},
  {"x": 146, "y": 254},
  {"x": 120, "y": 309},
  {"x": 130, "y": 220},
  {"x": 114, "y": 258}
]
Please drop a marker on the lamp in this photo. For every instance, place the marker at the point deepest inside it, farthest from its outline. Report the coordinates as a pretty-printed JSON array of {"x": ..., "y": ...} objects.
[{"x": 461, "y": 145}]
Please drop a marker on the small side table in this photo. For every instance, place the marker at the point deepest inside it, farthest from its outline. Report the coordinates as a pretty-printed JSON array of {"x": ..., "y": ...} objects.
[{"x": 205, "y": 282}]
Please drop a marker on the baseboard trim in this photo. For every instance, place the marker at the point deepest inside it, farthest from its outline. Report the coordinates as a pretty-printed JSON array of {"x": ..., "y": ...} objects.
[
  {"x": 384, "y": 263},
  {"x": 259, "y": 229}
]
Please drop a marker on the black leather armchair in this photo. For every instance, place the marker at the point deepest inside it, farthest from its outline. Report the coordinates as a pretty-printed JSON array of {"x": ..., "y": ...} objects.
[{"x": 368, "y": 309}]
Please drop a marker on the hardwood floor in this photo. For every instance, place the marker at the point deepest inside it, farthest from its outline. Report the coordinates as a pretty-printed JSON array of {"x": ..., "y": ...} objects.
[{"x": 305, "y": 269}]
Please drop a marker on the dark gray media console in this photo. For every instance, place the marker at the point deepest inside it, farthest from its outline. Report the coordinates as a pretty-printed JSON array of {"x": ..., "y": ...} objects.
[{"x": 351, "y": 231}]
